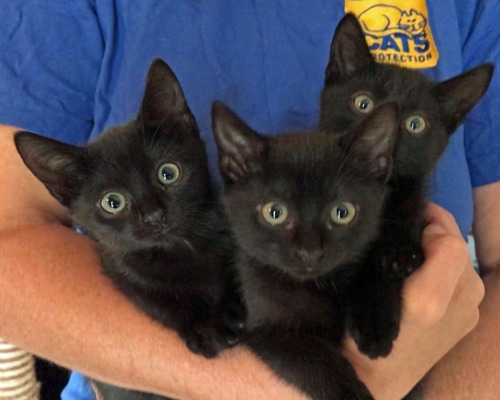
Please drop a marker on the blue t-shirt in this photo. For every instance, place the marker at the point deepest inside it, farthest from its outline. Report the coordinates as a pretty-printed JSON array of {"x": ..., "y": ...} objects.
[{"x": 70, "y": 69}]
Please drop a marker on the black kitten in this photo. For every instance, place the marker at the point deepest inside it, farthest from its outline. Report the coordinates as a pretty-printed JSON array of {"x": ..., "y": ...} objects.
[
  {"x": 304, "y": 207},
  {"x": 429, "y": 113},
  {"x": 143, "y": 192}
]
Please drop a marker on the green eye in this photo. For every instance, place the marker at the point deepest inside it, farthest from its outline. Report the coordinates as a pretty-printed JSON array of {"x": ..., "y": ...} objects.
[
  {"x": 274, "y": 213},
  {"x": 415, "y": 124},
  {"x": 168, "y": 173},
  {"x": 113, "y": 203},
  {"x": 363, "y": 103},
  {"x": 343, "y": 213}
]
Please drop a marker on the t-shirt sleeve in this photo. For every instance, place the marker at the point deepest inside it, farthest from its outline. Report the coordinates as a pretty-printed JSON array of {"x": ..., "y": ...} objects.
[
  {"x": 480, "y": 44},
  {"x": 50, "y": 57}
]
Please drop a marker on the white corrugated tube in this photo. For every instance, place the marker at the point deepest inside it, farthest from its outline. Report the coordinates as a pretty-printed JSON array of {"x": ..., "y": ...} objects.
[{"x": 17, "y": 374}]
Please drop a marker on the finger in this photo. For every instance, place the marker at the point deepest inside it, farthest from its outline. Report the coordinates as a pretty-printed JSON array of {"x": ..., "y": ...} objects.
[{"x": 440, "y": 216}]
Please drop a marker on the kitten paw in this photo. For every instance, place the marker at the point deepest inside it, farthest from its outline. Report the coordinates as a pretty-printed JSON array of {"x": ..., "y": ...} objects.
[
  {"x": 234, "y": 321},
  {"x": 202, "y": 340},
  {"x": 401, "y": 262},
  {"x": 211, "y": 338},
  {"x": 375, "y": 342},
  {"x": 233, "y": 331},
  {"x": 375, "y": 325},
  {"x": 373, "y": 348}
]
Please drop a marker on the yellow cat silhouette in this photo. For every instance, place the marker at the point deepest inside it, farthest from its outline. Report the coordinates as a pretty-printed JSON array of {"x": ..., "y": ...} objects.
[{"x": 381, "y": 20}]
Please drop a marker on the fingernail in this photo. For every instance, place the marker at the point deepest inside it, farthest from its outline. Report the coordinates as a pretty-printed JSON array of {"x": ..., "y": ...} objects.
[{"x": 434, "y": 229}]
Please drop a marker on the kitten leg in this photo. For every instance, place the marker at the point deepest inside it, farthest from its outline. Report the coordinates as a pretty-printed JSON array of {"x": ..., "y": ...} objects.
[
  {"x": 233, "y": 310},
  {"x": 309, "y": 361},
  {"x": 374, "y": 310},
  {"x": 374, "y": 299},
  {"x": 399, "y": 249}
]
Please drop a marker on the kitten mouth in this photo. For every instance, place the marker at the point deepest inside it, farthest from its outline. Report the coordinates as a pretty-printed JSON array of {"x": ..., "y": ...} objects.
[
  {"x": 157, "y": 236},
  {"x": 304, "y": 273},
  {"x": 309, "y": 271}
]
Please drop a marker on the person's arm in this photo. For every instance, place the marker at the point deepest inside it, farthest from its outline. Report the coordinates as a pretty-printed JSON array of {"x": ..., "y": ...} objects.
[
  {"x": 471, "y": 370},
  {"x": 55, "y": 302},
  {"x": 440, "y": 307}
]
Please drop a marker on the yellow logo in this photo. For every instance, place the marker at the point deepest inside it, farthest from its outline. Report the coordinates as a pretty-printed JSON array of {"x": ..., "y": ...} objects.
[{"x": 397, "y": 31}]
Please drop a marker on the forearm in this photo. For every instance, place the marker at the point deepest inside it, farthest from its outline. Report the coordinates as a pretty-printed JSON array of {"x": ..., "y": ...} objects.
[
  {"x": 487, "y": 227},
  {"x": 81, "y": 322},
  {"x": 440, "y": 307},
  {"x": 470, "y": 370}
]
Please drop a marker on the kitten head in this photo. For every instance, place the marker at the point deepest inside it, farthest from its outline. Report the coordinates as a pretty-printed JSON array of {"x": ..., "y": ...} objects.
[
  {"x": 139, "y": 184},
  {"x": 429, "y": 112},
  {"x": 305, "y": 203}
]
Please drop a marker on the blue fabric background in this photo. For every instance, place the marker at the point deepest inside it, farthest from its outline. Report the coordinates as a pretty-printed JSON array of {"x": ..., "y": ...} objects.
[{"x": 69, "y": 69}]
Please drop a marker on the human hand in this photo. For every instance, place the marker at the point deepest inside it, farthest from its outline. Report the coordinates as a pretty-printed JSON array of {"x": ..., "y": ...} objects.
[{"x": 440, "y": 306}]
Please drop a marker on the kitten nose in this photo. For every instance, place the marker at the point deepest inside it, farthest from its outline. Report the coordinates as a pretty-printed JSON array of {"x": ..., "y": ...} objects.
[
  {"x": 153, "y": 221},
  {"x": 309, "y": 256},
  {"x": 153, "y": 226}
]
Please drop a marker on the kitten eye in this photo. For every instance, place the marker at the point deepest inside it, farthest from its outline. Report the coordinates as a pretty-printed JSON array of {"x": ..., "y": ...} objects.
[
  {"x": 363, "y": 103},
  {"x": 168, "y": 173},
  {"x": 415, "y": 124},
  {"x": 343, "y": 213},
  {"x": 113, "y": 202},
  {"x": 274, "y": 213}
]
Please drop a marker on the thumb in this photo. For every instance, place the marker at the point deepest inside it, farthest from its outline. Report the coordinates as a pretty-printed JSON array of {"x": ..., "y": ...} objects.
[{"x": 432, "y": 230}]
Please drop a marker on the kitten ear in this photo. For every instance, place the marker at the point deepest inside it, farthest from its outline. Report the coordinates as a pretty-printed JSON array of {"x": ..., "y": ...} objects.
[
  {"x": 59, "y": 166},
  {"x": 163, "y": 97},
  {"x": 460, "y": 94},
  {"x": 239, "y": 147},
  {"x": 374, "y": 142},
  {"x": 349, "y": 51}
]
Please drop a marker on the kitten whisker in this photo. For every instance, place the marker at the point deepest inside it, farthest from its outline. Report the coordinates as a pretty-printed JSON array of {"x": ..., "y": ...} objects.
[{"x": 188, "y": 244}]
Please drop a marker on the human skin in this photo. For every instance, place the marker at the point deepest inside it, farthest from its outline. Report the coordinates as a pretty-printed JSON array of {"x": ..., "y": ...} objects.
[
  {"x": 55, "y": 302},
  {"x": 471, "y": 370}
]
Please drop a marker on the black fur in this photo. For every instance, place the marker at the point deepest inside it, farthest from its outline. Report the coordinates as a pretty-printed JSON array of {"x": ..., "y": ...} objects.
[
  {"x": 168, "y": 249},
  {"x": 296, "y": 274},
  {"x": 374, "y": 310}
]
